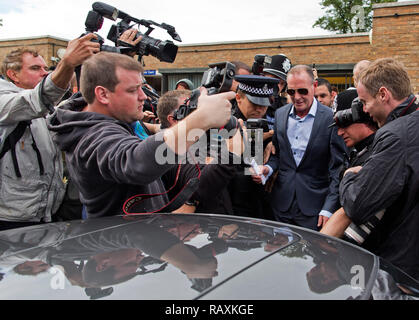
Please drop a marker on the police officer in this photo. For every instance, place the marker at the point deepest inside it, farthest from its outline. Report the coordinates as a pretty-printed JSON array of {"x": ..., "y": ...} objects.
[
  {"x": 253, "y": 99},
  {"x": 278, "y": 69}
]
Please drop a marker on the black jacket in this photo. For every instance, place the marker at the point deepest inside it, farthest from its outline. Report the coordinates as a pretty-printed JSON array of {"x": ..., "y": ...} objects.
[
  {"x": 212, "y": 194},
  {"x": 389, "y": 180}
]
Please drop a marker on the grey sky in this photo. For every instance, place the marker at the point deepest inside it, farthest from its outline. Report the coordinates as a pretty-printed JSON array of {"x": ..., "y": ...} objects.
[{"x": 195, "y": 21}]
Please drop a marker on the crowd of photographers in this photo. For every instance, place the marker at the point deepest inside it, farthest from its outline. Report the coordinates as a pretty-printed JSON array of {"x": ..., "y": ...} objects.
[{"x": 293, "y": 150}]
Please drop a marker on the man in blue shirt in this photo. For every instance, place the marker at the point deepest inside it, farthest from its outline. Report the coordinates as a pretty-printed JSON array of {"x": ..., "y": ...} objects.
[{"x": 308, "y": 158}]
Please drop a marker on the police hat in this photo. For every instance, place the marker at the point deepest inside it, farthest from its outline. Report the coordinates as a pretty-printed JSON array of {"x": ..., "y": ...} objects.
[
  {"x": 279, "y": 66},
  {"x": 258, "y": 89}
]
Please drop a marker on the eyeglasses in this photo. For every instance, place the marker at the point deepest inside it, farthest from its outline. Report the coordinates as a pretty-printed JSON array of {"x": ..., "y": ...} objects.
[{"x": 301, "y": 91}]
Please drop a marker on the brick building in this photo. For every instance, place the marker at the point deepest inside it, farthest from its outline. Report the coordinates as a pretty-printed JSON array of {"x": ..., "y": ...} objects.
[{"x": 395, "y": 33}]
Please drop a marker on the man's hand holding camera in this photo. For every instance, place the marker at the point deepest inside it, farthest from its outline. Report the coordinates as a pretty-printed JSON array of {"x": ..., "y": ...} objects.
[
  {"x": 213, "y": 111},
  {"x": 78, "y": 50}
]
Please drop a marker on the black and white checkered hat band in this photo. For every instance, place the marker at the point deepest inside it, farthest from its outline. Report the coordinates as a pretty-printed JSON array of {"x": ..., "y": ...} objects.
[{"x": 260, "y": 92}]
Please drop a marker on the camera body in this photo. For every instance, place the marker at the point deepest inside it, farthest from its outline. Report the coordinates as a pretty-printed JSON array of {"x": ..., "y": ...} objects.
[
  {"x": 255, "y": 123},
  {"x": 163, "y": 50},
  {"x": 355, "y": 114},
  {"x": 218, "y": 78},
  {"x": 261, "y": 61}
]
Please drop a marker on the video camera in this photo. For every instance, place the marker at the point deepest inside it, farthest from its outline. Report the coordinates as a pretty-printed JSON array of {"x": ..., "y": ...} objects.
[
  {"x": 163, "y": 50},
  {"x": 355, "y": 114}
]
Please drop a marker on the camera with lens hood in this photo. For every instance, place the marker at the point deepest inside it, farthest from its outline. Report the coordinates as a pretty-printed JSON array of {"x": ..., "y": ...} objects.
[{"x": 355, "y": 114}]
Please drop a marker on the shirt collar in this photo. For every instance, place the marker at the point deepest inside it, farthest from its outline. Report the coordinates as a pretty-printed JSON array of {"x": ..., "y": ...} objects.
[{"x": 312, "y": 112}]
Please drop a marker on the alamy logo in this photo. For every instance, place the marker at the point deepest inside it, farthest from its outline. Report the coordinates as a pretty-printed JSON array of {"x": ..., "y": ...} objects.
[
  {"x": 358, "y": 280},
  {"x": 58, "y": 280},
  {"x": 215, "y": 143},
  {"x": 358, "y": 21}
]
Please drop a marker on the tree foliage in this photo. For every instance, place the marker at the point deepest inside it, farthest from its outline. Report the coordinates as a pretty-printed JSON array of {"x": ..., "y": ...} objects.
[{"x": 347, "y": 16}]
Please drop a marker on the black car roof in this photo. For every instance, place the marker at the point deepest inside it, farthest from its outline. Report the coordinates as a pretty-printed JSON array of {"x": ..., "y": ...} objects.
[{"x": 259, "y": 260}]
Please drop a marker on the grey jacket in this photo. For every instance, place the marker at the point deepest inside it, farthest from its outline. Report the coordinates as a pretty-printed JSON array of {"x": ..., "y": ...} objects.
[{"x": 33, "y": 196}]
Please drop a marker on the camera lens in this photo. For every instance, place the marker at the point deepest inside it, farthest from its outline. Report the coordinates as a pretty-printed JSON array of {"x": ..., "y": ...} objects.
[{"x": 344, "y": 118}]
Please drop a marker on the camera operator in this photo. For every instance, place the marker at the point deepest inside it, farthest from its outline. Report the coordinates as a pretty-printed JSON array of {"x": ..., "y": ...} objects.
[
  {"x": 32, "y": 170},
  {"x": 358, "y": 131},
  {"x": 389, "y": 179},
  {"x": 109, "y": 163}
]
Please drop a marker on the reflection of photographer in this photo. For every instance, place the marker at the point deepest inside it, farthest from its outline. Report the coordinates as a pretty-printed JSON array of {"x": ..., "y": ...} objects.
[{"x": 357, "y": 129}]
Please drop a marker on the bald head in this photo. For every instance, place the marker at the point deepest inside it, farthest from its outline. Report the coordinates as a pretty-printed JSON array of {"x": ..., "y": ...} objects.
[{"x": 358, "y": 68}]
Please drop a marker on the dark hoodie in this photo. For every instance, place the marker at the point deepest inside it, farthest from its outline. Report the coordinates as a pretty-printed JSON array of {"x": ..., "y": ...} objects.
[{"x": 107, "y": 161}]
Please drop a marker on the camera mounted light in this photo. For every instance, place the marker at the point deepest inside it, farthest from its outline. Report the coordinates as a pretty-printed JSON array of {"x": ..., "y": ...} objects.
[{"x": 106, "y": 10}]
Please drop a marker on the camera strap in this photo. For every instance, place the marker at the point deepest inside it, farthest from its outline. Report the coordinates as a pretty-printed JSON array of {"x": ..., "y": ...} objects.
[{"x": 181, "y": 197}]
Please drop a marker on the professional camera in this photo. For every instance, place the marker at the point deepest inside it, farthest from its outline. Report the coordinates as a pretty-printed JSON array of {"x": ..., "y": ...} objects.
[
  {"x": 255, "y": 123},
  {"x": 163, "y": 50},
  {"x": 355, "y": 114},
  {"x": 218, "y": 78},
  {"x": 358, "y": 234},
  {"x": 261, "y": 61}
]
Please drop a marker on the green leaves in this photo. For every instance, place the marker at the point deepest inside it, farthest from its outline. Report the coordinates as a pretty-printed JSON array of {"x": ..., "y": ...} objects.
[{"x": 347, "y": 16}]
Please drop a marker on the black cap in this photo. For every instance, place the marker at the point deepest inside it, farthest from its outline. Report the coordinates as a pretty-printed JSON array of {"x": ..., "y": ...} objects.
[
  {"x": 345, "y": 98},
  {"x": 279, "y": 66},
  {"x": 258, "y": 89}
]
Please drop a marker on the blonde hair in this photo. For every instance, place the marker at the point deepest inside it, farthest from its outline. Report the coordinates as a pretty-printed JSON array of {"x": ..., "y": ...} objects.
[{"x": 388, "y": 73}]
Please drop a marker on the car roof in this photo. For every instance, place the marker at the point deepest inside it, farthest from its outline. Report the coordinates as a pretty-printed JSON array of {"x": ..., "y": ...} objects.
[{"x": 181, "y": 256}]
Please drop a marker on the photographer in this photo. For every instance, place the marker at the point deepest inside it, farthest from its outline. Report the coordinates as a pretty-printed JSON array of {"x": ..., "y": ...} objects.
[
  {"x": 358, "y": 131},
  {"x": 211, "y": 195},
  {"x": 108, "y": 161},
  {"x": 389, "y": 179},
  {"x": 31, "y": 166}
]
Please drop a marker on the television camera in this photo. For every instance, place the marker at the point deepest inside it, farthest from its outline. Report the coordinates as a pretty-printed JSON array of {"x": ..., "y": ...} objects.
[{"x": 163, "y": 50}]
